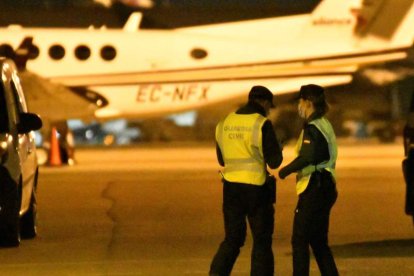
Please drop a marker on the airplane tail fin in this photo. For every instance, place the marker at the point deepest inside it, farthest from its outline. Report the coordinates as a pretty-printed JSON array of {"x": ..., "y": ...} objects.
[
  {"x": 351, "y": 23},
  {"x": 368, "y": 21},
  {"x": 389, "y": 20}
]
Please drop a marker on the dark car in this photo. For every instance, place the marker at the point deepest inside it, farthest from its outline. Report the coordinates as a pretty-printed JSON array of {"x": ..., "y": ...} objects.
[{"x": 18, "y": 163}]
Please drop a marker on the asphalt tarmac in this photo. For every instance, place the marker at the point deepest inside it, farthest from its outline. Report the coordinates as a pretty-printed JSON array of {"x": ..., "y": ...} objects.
[{"x": 156, "y": 210}]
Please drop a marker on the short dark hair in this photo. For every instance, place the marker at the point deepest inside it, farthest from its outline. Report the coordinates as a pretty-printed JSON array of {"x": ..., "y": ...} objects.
[{"x": 261, "y": 93}]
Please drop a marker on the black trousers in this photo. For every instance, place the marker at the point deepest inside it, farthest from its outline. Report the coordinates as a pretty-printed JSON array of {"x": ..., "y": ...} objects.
[
  {"x": 408, "y": 170},
  {"x": 311, "y": 223},
  {"x": 241, "y": 201}
]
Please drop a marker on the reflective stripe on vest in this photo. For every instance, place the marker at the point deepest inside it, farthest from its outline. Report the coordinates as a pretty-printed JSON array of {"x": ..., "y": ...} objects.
[
  {"x": 303, "y": 176},
  {"x": 239, "y": 137}
]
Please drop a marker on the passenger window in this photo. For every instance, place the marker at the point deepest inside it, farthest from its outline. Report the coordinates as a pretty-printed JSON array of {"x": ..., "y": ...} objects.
[
  {"x": 57, "y": 52},
  {"x": 34, "y": 52},
  {"x": 4, "y": 117},
  {"x": 198, "y": 53},
  {"x": 108, "y": 53},
  {"x": 82, "y": 52}
]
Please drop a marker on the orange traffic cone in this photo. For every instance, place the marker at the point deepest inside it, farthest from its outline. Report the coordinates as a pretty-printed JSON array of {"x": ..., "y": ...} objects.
[{"x": 54, "y": 152}]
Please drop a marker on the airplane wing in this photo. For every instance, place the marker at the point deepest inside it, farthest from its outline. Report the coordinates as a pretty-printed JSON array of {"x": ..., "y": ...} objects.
[{"x": 54, "y": 101}]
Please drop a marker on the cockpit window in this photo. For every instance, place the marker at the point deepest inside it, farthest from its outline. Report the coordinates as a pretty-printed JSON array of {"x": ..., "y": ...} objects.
[{"x": 6, "y": 50}]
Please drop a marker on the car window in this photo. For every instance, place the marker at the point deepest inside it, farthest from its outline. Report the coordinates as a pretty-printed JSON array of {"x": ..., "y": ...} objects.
[{"x": 4, "y": 118}]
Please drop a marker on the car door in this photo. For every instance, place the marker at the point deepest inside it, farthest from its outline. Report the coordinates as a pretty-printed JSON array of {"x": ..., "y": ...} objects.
[
  {"x": 25, "y": 145},
  {"x": 9, "y": 128}
]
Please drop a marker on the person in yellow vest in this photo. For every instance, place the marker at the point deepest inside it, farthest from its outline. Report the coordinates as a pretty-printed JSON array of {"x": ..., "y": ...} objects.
[
  {"x": 315, "y": 183},
  {"x": 246, "y": 144}
]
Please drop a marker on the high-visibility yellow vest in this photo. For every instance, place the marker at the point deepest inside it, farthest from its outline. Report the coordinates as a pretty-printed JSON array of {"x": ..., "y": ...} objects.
[
  {"x": 303, "y": 176},
  {"x": 239, "y": 137}
]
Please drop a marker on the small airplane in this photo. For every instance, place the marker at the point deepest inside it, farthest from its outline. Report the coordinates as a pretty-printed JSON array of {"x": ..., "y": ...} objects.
[{"x": 132, "y": 72}]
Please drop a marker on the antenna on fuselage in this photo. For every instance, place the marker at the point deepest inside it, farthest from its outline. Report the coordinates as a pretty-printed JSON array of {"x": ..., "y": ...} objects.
[{"x": 133, "y": 22}]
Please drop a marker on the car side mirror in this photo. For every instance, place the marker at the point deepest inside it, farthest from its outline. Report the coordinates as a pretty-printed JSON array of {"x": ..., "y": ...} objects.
[{"x": 29, "y": 122}]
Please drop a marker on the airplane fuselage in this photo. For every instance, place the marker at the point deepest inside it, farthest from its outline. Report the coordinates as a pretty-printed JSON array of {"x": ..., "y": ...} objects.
[{"x": 152, "y": 72}]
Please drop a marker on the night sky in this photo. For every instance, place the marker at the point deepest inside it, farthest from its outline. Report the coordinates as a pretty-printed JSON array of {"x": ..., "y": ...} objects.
[{"x": 165, "y": 14}]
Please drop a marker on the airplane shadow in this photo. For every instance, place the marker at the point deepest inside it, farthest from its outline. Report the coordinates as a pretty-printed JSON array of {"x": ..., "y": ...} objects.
[{"x": 385, "y": 248}]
